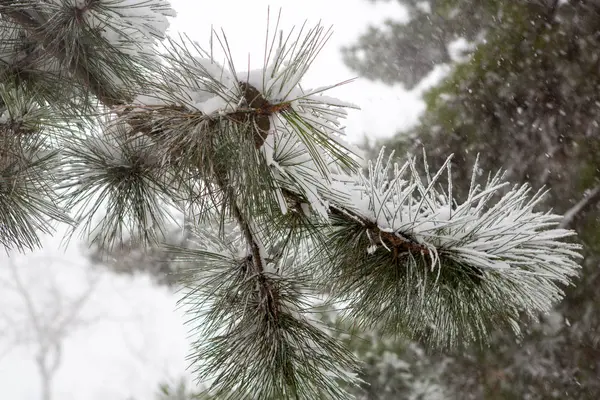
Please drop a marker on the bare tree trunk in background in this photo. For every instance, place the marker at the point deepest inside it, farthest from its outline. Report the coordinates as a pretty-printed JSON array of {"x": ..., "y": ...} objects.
[
  {"x": 50, "y": 322},
  {"x": 48, "y": 366},
  {"x": 46, "y": 378}
]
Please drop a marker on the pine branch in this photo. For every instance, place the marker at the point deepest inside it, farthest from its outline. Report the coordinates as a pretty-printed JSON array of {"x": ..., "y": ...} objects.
[
  {"x": 29, "y": 163},
  {"x": 48, "y": 40},
  {"x": 480, "y": 255},
  {"x": 588, "y": 200},
  {"x": 117, "y": 188},
  {"x": 247, "y": 350},
  {"x": 268, "y": 296}
]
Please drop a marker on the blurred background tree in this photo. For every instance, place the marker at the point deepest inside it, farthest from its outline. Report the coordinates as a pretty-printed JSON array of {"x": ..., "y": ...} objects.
[{"x": 524, "y": 94}]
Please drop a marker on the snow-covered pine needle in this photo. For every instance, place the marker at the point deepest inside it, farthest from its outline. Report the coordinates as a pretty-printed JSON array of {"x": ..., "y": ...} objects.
[
  {"x": 441, "y": 269},
  {"x": 206, "y": 114},
  {"x": 117, "y": 188}
]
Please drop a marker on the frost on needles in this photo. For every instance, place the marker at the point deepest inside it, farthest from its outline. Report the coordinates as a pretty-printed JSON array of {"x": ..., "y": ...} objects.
[{"x": 113, "y": 127}]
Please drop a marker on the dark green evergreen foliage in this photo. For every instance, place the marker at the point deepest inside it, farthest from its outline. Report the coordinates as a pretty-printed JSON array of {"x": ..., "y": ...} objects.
[{"x": 528, "y": 100}]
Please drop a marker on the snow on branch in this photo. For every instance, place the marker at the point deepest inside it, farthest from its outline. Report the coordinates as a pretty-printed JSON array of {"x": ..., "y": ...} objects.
[
  {"x": 194, "y": 80},
  {"x": 408, "y": 254}
]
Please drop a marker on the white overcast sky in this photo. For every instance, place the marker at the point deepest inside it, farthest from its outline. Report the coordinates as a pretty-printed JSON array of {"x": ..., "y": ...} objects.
[{"x": 384, "y": 109}]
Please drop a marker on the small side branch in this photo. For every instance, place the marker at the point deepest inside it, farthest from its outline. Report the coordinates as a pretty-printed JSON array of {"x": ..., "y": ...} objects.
[
  {"x": 256, "y": 111},
  {"x": 398, "y": 243},
  {"x": 591, "y": 198},
  {"x": 268, "y": 297},
  {"x": 252, "y": 241}
]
